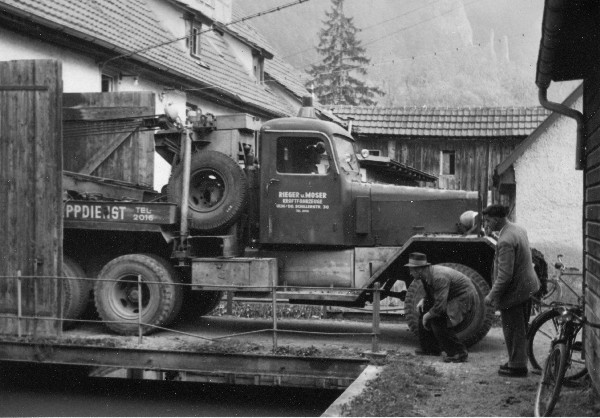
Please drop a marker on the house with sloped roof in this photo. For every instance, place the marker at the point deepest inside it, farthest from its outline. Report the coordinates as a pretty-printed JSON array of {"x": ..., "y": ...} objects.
[
  {"x": 461, "y": 146},
  {"x": 195, "y": 54},
  {"x": 550, "y": 209}
]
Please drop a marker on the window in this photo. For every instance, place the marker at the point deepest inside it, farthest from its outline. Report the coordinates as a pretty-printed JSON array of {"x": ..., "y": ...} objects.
[
  {"x": 258, "y": 66},
  {"x": 302, "y": 156},
  {"x": 448, "y": 163},
  {"x": 194, "y": 39},
  {"x": 107, "y": 83}
]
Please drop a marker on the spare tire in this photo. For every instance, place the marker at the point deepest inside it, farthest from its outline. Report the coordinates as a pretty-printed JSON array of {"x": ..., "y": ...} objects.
[
  {"x": 218, "y": 191},
  {"x": 476, "y": 324}
]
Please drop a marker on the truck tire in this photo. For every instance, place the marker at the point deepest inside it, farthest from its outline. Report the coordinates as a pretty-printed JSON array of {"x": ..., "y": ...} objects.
[
  {"x": 475, "y": 326},
  {"x": 116, "y": 293},
  {"x": 218, "y": 191},
  {"x": 76, "y": 293}
]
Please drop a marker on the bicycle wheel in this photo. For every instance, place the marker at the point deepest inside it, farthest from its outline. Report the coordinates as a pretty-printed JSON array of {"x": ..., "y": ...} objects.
[
  {"x": 551, "y": 380},
  {"x": 543, "y": 330},
  {"x": 576, "y": 367}
]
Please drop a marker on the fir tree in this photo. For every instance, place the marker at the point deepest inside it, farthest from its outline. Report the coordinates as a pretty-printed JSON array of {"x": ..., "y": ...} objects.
[{"x": 343, "y": 55}]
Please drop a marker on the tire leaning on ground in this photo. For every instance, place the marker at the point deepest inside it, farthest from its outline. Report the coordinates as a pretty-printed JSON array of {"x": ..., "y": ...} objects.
[
  {"x": 76, "y": 293},
  {"x": 116, "y": 293},
  {"x": 218, "y": 191},
  {"x": 475, "y": 326}
]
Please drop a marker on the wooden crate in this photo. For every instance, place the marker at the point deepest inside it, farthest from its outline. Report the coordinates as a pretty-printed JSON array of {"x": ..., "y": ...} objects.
[{"x": 103, "y": 136}]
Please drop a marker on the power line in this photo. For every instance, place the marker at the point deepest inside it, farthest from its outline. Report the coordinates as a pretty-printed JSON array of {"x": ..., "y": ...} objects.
[
  {"x": 233, "y": 22},
  {"x": 371, "y": 26},
  {"x": 393, "y": 60},
  {"x": 415, "y": 24}
]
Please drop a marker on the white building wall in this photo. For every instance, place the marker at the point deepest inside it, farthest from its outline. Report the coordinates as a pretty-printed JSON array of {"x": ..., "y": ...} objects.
[
  {"x": 80, "y": 74},
  {"x": 549, "y": 193}
]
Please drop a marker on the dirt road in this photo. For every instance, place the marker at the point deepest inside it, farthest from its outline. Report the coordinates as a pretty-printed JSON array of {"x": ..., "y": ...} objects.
[{"x": 466, "y": 389}]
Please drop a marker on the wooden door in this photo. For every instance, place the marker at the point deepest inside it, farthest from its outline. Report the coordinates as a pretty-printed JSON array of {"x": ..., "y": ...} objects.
[{"x": 30, "y": 193}]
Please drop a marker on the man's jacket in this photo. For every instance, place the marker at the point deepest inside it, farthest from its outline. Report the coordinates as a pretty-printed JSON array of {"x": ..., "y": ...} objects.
[
  {"x": 514, "y": 279},
  {"x": 449, "y": 292}
]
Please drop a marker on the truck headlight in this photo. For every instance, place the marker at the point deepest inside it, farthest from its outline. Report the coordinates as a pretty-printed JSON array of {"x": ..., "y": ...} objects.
[{"x": 364, "y": 153}]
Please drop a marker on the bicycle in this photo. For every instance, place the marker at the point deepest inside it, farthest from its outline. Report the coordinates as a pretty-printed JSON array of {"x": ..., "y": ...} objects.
[
  {"x": 544, "y": 329},
  {"x": 559, "y": 367}
]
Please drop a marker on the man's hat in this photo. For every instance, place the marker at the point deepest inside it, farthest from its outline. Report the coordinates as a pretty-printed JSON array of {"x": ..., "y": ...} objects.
[
  {"x": 417, "y": 260},
  {"x": 496, "y": 211}
]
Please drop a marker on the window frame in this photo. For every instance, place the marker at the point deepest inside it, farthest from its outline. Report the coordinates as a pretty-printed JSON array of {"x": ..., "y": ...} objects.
[
  {"x": 193, "y": 40},
  {"x": 448, "y": 160},
  {"x": 110, "y": 82}
]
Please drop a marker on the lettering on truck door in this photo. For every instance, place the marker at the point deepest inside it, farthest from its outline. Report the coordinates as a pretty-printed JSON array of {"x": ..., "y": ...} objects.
[{"x": 301, "y": 203}]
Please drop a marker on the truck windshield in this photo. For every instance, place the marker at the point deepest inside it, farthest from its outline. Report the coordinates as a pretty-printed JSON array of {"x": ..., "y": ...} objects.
[{"x": 346, "y": 154}]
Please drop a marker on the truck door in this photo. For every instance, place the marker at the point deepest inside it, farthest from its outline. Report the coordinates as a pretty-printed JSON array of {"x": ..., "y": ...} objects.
[{"x": 300, "y": 190}]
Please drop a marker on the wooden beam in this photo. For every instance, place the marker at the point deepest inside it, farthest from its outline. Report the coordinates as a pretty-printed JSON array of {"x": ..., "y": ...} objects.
[{"x": 106, "y": 113}]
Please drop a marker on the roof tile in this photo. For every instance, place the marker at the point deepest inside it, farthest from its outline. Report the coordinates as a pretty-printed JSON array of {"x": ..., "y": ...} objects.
[{"x": 477, "y": 122}]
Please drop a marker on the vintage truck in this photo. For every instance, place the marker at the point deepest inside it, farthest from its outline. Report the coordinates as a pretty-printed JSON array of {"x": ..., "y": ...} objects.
[{"x": 249, "y": 209}]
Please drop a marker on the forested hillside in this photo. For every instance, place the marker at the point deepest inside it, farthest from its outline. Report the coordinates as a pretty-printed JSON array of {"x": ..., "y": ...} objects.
[{"x": 426, "y": 52}]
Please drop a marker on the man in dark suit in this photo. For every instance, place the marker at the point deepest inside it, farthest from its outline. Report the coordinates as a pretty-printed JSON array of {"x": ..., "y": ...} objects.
[
  {"x": 514, "y": 282},
  {"x": 449, "y": 297}
]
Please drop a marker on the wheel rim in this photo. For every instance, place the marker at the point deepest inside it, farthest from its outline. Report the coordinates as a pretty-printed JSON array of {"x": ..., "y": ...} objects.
[
  {"x": 546, "y": 334},
  {"x": 207, "y": 190},
  {"x": 545, "y": 398},
  {"x": 124, "y": 297}
]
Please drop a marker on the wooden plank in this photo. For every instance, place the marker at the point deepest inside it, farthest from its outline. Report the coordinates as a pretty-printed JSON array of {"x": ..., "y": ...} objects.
[
  {"x": 107, "y": 113},
  {"x": 592, "y": 177},
  {"x": 592, "y": 265},
  {"x": 94, "y": 162},
  {"x": 31, "y": 169},
  {"x": 593, "y": 156},
  {"x": 592, "y": 230},
  {"x": 593, "y": 284},
  {"x": 592, "y": 194},
  {"x": 592, "y": 212}
]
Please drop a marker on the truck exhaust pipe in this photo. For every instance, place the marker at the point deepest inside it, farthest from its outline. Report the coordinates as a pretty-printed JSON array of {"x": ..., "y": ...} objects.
[{"x": 307, "y": 110}]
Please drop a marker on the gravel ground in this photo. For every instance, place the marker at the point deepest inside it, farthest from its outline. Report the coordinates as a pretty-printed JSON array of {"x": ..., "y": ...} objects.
[{"x": 469, "y": 389}]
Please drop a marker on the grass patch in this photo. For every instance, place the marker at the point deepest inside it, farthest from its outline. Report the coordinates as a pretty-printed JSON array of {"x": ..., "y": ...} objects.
[{"x": 403, "y": 385}]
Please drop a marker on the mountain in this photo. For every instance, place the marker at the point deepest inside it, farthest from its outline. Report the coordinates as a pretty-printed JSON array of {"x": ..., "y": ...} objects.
[{"x": 425, "y": 52}]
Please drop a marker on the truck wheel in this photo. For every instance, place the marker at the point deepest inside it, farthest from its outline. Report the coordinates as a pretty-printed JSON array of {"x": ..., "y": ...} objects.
[
  {"x": 475, "y": 326},
  {"x": 116, "y": 293},
  {"x": 76, "y": 293},
  {"x": 218, "y": 190}
]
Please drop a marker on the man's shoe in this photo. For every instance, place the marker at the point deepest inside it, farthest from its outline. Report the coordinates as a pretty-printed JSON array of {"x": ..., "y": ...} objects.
[
  {"x": 505, "y": 366},
  {"x": 513, "y": 371},
  {"x": 427, "y": 353},
  {"x": 457, "y": 358}
]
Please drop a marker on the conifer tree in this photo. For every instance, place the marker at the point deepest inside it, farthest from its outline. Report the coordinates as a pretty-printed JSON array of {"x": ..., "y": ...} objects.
[{"x": 333, "y": 80}]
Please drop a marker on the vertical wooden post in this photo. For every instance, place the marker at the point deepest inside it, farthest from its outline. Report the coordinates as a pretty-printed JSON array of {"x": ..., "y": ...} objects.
[
  {"x": 230, "y": 302},
  {"x": 274, "y": 318},
  {"x": 19, "y": 303},
  {"x": 376, "y": 310}
]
